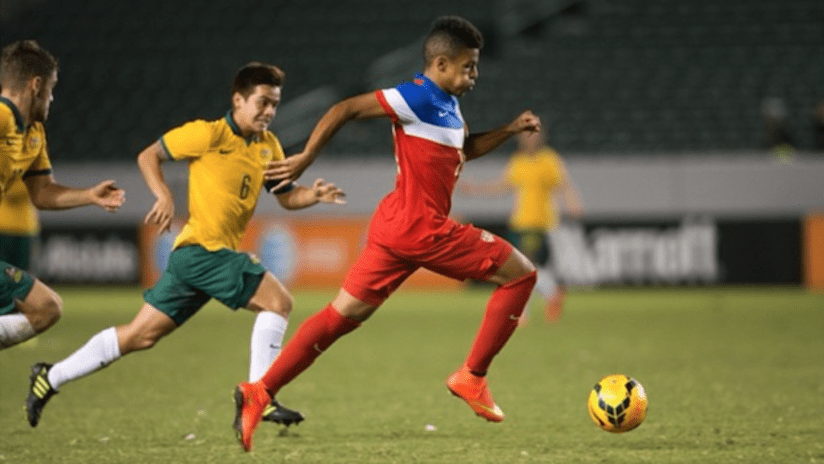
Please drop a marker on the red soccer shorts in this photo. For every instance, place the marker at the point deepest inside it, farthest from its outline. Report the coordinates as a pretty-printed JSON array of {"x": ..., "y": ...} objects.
[{"x": 467, "y": 253}]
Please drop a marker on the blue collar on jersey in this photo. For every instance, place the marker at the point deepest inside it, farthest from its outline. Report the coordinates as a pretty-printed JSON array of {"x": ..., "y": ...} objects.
[
  {"x": 233, "y": 125},
  {"x": 18, "y": 118},
  {"x": 433, "y": 87},
  {"x": 443, "y": 111}
]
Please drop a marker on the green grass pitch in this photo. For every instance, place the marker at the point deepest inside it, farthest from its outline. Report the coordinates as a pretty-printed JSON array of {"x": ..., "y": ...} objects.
[{"x": 732, "y": 375}]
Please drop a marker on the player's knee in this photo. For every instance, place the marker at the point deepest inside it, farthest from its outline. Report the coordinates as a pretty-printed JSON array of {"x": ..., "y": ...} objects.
[
  {"x": 50, "y": 311},
  {"x": 140, "y": 342},
  {"x": 135, "y": 340},
  {"x": 528, "y": 278},
  {"x": 283, "y": 304},
  {"x": 527, "y": 268}
]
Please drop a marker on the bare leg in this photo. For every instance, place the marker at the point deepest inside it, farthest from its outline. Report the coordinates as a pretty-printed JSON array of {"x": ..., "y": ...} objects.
[{"x": 40, "y": 310}]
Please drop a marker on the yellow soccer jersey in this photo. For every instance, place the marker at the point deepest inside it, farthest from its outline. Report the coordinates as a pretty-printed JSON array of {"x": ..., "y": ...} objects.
[
  {"x": 23, "y": 150},
  {"x": 17, "y": 215},
  {"x": 225, "y": 178},
  {"x": 534, "y": 178}
]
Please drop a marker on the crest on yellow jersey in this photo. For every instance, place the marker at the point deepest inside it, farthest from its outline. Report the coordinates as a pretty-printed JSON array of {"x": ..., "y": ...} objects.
[{"x": 14, "y": 274}]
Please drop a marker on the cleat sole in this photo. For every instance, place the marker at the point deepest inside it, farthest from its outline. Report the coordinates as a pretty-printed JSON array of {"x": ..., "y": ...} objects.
[{"x": 237, "y": 425}]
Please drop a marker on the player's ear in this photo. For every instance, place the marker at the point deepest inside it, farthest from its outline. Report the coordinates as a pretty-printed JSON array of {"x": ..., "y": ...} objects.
[
  {"x": 237, "y": 100},
  {"x": 441, "y": 63},
  {"x": 35, "y": 84}
]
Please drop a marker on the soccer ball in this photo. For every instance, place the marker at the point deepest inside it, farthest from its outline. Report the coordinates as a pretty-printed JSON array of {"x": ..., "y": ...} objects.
[{"x": 617, "y": 403}]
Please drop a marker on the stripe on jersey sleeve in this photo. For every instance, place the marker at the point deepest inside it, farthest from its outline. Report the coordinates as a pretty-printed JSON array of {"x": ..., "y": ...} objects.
[
  {"x": 387, "y": 108},
  {"x": 399, "y": 106}
]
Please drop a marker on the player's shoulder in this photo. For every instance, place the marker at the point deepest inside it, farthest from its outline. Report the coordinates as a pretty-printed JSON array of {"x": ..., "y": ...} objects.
[
  {"x": 210, "y": 131},
  {"x": 520, "y": 158},
  {"x": 216, "y": 125},
  {"x": 8, "y": 121},
  {"x": 273, "y": 142},
  {"x": 5, "y": 109},
  {"x": 549, "y": 155},
  {"x": 196, "y": 127},
  {"x": 192, "y": 137}
]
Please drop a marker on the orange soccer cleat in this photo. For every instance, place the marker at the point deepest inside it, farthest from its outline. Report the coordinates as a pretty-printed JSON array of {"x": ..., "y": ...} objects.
[
  {"x": 473, "y": 389},
  {"x": 251, "y": 399}
]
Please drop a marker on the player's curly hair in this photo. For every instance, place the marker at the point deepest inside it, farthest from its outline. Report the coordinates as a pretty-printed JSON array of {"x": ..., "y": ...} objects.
[
  {"x": 448, "y": 36},
  {"x": 254, "y": 74},
  {"x": 24, "y": 60}
]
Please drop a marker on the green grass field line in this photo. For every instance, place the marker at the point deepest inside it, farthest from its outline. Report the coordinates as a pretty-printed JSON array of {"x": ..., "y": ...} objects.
[{"x": 733, "y": 375}]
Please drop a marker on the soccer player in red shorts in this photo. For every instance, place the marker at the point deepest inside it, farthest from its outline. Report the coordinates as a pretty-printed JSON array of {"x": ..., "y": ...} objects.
[{"x": 411, "y": 227}]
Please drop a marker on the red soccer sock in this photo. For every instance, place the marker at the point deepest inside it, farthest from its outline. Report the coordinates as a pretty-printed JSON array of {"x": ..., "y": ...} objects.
[
  {"x": 500, "y": 320},
  {"x": 313, "y": 336}
]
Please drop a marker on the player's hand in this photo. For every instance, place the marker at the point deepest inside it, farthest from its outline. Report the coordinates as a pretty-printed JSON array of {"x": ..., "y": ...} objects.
[
  {"x": 287, "y": 170},
  {"x": 107, "y": 196},
  {"x": 526, "y": 121},
  {"x": 161, "y": 214},
  {"x": 328, "y": 192}
]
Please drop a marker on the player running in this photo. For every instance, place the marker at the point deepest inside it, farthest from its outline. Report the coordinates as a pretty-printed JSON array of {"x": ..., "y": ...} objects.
[
  {"x": 411, "y": 227},
  {"x": 28, "y": 74},
  {"x": 226, "y": 160}
]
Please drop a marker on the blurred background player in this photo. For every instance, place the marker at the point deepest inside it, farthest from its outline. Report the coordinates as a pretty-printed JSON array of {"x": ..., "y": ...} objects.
[
  {"x": 537, "y": 176},
  {"x": 19, "y": 226},
  {"x": 28, "y": 74},
  {"x": 226, "y": 161},
  {"x": 411, "y": 227}
]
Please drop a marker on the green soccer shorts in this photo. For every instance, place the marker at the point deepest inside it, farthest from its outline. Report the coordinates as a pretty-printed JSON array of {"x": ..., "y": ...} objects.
[
  {"x": 15, "y": 284},
  {"x": 194, "y": 275},
  {"x": 16, "y": 250}
]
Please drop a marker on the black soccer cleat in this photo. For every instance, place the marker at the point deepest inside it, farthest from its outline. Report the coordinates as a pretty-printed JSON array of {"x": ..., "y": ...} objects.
[
  {"x": 40, "y": 392},
  {"x": 280, "y": 414}
]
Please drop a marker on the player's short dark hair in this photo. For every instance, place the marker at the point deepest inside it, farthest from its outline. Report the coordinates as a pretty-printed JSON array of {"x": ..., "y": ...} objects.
[
  {"x": 448, "y": 36},
  {"x": 255, "y": 73},
  {"x": 24, "y": 60}
]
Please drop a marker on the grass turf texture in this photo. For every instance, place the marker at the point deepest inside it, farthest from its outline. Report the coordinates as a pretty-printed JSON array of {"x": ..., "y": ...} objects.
[{"x": 732, "y": 376}]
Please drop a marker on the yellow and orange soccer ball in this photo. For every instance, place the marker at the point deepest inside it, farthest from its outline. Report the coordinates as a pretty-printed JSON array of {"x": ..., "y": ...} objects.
[{"x": 617, "y": 403}]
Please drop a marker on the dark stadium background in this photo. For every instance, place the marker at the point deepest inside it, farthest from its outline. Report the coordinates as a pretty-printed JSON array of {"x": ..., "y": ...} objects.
[{"x": 657, "y": 105}]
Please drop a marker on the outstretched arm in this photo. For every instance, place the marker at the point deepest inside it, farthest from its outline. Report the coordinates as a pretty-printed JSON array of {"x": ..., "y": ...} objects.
[
  {"x": 163, "y": 211},
  {"x": 303, "y": 197},
  {"x": 477, "y": 145},
  {"x": 47, "y": 194},
  {"x": 360, "y": 107}
]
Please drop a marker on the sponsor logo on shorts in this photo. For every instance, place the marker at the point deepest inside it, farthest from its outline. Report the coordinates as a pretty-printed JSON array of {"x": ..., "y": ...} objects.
[{"x": 487, "y": 236}]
